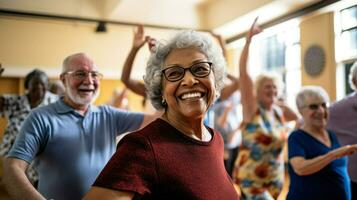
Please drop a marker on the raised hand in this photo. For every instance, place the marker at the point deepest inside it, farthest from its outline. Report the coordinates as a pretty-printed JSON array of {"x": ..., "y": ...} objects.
[
  {"x": 254, "y": 29},
  {"x": 1, "y": 69},
  {"x": 139, "y": 39},
  {"x": 151, "y": 43}
]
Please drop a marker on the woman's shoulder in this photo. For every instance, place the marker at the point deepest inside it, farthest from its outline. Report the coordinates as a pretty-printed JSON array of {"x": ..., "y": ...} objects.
[{"x": 296, "y": 134}]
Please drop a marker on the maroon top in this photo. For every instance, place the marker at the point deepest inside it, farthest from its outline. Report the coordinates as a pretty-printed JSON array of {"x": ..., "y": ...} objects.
[{"x": 159, "y": 162}]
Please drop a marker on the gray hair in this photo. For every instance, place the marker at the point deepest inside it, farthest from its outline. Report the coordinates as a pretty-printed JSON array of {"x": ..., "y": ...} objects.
[
  {"x": 308, "y": 92},
  {"x": 67, "y": 61},
  {"x": 183, "y": 39},
  {"x": 353, "y": 76}
]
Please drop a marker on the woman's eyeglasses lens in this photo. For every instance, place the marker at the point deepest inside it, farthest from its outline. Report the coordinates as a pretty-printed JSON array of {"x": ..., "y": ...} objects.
[
  {"x": 176, "y": 73},
  {"x": 316, "y": 106}
]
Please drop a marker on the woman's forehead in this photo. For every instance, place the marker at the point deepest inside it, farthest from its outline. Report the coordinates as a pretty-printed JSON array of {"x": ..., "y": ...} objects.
[
  {"x": 314, "y": 99},
  {"x": 184, "y": 56}
]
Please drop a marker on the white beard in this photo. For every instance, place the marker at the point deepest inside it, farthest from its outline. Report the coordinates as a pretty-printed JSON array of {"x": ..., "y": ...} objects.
[{"x": 80, "y": 100}]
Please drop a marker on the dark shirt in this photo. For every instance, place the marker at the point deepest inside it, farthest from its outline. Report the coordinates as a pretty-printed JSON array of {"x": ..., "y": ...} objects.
[
  {"x": 330, "y": 183},
  {"x": 159, "y": 162}
]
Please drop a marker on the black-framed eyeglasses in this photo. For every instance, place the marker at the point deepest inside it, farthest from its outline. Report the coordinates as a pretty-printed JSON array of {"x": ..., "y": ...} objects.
[
  {"x": 316, "y": 106},
  {"x": 176, "y": 73},
  {"x": 82, "y": 74}
]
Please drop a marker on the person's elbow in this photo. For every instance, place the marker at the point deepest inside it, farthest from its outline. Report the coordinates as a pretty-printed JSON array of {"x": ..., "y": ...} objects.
[
  {"x": 10, "y": 165},
  {"x": 301, "y": 171},
  {"x": 299, "y": 167}
]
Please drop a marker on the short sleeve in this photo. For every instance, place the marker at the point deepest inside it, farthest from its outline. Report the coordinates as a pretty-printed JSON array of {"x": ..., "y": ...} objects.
[
  {"x": 132, "y": 167},
  {"x": 295, "y": 145},
  {"x": 125, "y": 121}
]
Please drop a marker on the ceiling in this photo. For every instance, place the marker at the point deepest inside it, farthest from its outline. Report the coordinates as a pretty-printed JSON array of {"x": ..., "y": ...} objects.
[{"x": 217, "y": 15}]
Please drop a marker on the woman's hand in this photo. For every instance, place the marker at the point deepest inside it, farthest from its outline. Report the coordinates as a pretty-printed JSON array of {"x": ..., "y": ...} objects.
[
  {"x": 346, "y": 150},
  {"x": 139, "y": 39},
  {"x": 151, "y": 43},
  {"x": 254, "y": 30}
]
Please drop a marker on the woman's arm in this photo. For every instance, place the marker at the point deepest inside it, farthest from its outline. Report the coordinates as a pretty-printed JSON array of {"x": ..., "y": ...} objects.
[
  {"x": 248, "y": 98},
  {"x": 304, "y": 167},
  {"x": 288, "y": 113},
  {"x": 230, "y": 88},
  {"x": 108, "y": 194},
  {"x": 134, "y": 85}
]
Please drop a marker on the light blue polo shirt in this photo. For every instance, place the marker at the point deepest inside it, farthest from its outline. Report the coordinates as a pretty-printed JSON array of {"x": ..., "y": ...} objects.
[{"x": 71, "y": 149}]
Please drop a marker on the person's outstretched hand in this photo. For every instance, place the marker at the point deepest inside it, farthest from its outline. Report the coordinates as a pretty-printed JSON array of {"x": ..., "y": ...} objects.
[
  {"x": 346, "y": 150},
  {"x": 139, "y": 39},
  {"x": 1, "y": 70},
  {"x": 254, "y": 29}
]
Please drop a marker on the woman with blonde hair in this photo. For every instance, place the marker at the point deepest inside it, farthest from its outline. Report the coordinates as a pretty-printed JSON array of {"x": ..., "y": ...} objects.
[{"x": 259, "y": 168}]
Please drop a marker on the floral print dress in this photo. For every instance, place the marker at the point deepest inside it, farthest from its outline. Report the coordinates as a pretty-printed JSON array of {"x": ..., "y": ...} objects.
[
  {"x": 16, "y": 108},
  {"x": 259, "y": 168}
]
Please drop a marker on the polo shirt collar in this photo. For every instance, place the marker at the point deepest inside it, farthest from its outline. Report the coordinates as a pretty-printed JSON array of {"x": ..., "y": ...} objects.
[{"x": 62, "y": 107}]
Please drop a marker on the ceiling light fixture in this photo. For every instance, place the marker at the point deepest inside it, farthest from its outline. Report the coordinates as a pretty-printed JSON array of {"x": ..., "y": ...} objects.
[{"x": 101, "y": 28}]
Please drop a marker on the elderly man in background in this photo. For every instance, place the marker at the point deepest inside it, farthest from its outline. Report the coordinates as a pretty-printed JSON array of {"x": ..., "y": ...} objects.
[
  {"x": 342, "y": 121},
  {"x": 71, "y": 138}
]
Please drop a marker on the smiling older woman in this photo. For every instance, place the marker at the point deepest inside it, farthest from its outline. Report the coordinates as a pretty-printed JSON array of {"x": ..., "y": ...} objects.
[
  {"x": 317, "y": 162},
  {"x": 176, "y": 156}
]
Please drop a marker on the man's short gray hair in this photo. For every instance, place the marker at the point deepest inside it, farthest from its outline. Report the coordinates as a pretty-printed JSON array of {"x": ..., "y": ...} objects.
[{"x": 68, "y": 59}]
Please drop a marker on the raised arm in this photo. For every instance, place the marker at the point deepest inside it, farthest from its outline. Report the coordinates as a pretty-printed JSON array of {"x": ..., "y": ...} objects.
[
  {"x": 221, "y": 42},
  {"x": 289, "y": 114},
  {"x": 248, "y": 96},
  {"x": 230, "y": 88},
  {"x": 138, "y": 41},
  {"x": 305, "y": 167},
  {"x": 16, "y": 182}
]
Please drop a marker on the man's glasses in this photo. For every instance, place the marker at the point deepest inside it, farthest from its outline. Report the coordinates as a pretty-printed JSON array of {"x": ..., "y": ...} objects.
[
  {"x": 316, "y": 106},
  {"x": 176, "y": 73},
  {"x": 81, "y": 74}
]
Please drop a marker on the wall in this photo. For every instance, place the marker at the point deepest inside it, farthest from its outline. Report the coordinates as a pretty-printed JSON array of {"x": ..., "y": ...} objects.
[
  {"x": 319, "y": 30},
  {"x": 28, "y": 43}
]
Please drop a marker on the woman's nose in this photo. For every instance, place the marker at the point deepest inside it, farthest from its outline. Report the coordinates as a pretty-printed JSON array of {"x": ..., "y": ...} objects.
[{"x": 188, "y": 78}]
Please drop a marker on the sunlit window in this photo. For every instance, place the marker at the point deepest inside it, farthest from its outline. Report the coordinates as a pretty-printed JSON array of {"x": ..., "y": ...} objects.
[{"x": 346, "y": 47}]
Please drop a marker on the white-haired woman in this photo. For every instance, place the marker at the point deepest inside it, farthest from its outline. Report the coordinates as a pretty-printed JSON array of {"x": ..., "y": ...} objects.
[
  {"x": 176, "y": 156},
  {"x": 317, "y": 162}
]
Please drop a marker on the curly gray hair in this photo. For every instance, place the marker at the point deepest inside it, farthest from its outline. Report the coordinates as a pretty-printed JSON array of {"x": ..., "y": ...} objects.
[{"x": 183, "y": 39}]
